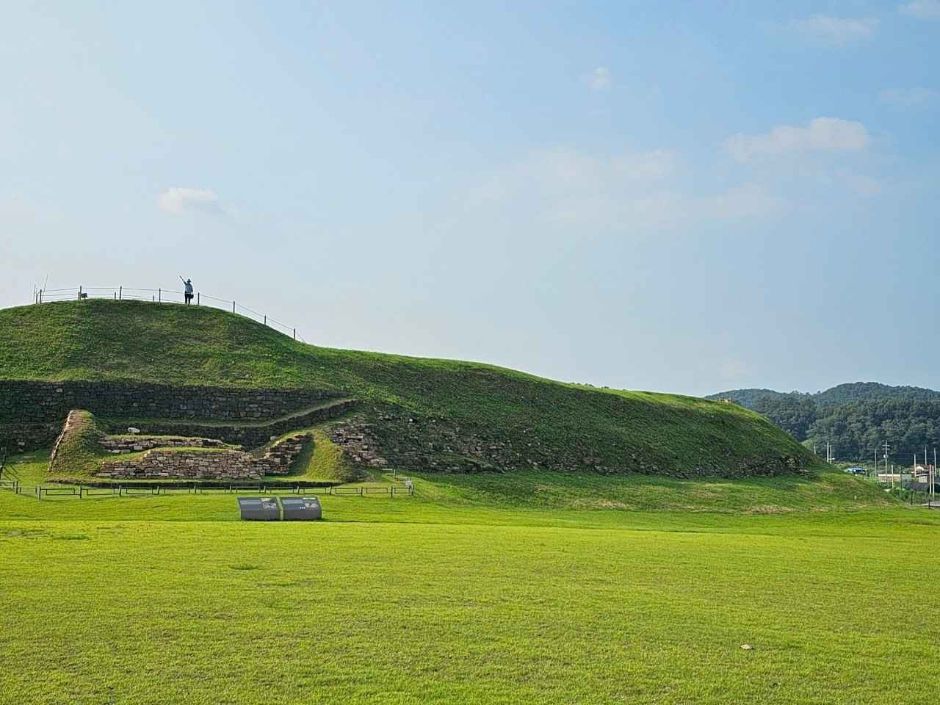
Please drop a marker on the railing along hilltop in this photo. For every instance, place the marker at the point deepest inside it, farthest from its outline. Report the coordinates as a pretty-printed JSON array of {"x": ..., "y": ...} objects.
[{"x": 124, "y": 293}]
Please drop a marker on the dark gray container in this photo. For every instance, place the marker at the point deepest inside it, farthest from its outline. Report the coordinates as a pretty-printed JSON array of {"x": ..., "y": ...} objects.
[
  {"x": 259, "y": 508},
  {"x": 301, "y": 508}
]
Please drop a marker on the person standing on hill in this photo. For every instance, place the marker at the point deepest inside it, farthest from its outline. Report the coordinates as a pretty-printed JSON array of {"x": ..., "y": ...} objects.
[{"x": 187, "y": 290}]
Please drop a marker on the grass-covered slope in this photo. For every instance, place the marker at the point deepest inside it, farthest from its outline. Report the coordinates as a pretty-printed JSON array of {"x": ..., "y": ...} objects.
[
  {"x": 419, "y": 413},
  {"x": 78, "y": 448}
]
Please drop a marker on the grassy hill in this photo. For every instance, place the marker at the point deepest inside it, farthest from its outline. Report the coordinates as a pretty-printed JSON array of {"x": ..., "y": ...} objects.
[{"x": 421, "y": 413}]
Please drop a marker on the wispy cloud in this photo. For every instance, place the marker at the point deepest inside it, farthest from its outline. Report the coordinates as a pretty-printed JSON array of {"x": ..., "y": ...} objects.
[
  {"x": 178, "y": 200},
  {"x": 581, "y": 192},
  {"x": 599, "y": 79},
  {"x": 922, "y": 9},
  {"x": 907, "y": 97},
  {"x": 823, "y": 134},
  {"x": 836, "y": 31}
]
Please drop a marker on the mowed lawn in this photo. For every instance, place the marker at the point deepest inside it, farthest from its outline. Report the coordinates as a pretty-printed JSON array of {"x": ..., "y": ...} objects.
[{"x": 168, "y": 600}]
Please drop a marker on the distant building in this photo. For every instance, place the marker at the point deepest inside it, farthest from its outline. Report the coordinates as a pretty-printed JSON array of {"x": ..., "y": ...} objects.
[{"x": 922, "y": 473}]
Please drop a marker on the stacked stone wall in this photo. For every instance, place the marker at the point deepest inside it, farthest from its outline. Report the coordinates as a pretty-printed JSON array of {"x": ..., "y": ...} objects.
[
  {"x": 32, "y": 413},
  {"x": 208, "y": 464},
  {"x": 117, "y": 444},
  {"x": 279, "y": 458},
  {"x": 247, "y": 436},
  {"x": 22, "y": 437},
  {"x": 22, "y": 401}
]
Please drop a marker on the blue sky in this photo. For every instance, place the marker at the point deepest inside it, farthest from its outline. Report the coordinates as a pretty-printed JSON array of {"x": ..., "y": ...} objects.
[{"x": 676, "y": 196}]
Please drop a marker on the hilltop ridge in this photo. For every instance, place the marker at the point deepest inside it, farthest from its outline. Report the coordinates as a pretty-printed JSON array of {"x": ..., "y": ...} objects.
[{"x": 414, "y": 412}]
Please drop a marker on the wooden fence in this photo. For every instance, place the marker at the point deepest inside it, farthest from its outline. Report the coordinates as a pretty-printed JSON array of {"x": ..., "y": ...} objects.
[{"x": 9, "y": 481}]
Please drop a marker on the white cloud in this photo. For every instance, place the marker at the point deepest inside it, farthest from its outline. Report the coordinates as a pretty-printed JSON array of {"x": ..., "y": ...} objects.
[
  {"x": 836, "y": 31},
  {"x": 907, "y": 97},
  {"x": 565, "y": 173},
  {"x": 177, "y": 200},
  {"x": 599, "y": 79},
  {"x": 823, "y": 134},
  {"x": 922, "y": 9}
]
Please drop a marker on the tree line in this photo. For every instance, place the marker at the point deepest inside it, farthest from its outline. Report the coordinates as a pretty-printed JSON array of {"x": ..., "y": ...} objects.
[
  {"x": 856, "y": 418},
  {"x": 858, "y": 429}
]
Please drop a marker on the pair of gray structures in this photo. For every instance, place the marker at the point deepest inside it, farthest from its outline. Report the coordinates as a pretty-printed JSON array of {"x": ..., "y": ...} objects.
[{"x": 280, "y": 509}]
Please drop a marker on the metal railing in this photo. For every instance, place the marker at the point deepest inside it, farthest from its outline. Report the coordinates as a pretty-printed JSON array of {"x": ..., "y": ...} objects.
[{"x": 163, "y": 296}]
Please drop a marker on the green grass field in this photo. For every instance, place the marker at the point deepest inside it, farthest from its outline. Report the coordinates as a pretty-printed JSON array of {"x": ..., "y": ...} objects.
[{"x": 550, "y": 588}]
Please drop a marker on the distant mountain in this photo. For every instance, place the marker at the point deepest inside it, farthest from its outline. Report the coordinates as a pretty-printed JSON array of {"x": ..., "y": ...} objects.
[
  {"x": 857, "y": 418},
  {"x": 873, "y": 391}
]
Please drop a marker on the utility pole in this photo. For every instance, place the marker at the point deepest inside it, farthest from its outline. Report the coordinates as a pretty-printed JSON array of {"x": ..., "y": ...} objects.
[
  {"x": 926, "y": 464},
  {"x": 886, "y": 447}
]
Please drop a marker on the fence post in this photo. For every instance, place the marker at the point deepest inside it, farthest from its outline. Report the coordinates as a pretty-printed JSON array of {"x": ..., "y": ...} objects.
[
  {"x": 295, "y": 334},
  {"x": 79, "y": 292},
  {"x": 159, "y": 295},
  {"x": 265, "y": 319},
  {"x": 198, "y": 295},
  {"x": 40, "y": 296},
  {"x": 233, "y": 307},
  {"x": 120, "y": 292}
]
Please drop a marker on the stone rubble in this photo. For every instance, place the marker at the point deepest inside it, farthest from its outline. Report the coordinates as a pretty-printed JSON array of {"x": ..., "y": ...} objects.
[{"x": 209, "y": 464}]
